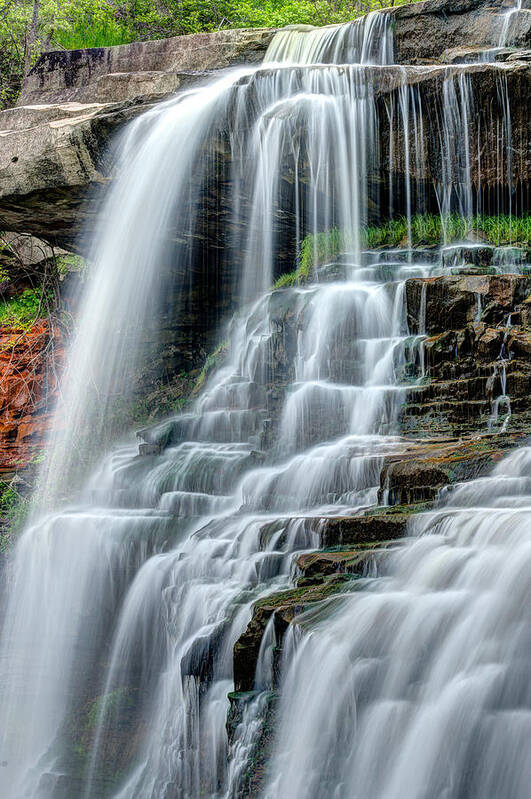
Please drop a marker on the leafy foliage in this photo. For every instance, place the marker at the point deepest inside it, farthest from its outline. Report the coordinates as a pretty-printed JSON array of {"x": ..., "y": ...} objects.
[
  {"x": 24, "y": 309},
  {"x": 31, "y": 27}
]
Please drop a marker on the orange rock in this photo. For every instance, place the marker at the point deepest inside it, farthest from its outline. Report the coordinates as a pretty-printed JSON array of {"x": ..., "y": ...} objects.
[{"x": 29, "y": 363}]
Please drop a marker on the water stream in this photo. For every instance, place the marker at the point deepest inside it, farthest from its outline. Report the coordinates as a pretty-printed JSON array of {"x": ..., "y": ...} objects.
[
  {"x": 128, "y": 600},
  {"x": 418, "y": 685}
]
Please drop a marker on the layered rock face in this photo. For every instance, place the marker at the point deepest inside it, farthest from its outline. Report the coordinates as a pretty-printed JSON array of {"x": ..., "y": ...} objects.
[
  {"x": 142, "y": 69},
  {"x": 423, "y": 31},
  {"x": 477, "y": 351},
  {"x": 55, "y": 144}
]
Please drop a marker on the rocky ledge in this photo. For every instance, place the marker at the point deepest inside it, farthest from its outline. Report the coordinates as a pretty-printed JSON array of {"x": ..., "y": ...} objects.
[
  {"x": 354, "y": 546},
  {"x": 477, "y": 365},
  {"x": 55, "y": 145}
]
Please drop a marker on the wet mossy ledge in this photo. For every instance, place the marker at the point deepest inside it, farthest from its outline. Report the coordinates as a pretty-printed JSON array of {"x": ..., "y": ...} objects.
[
  {"x": 421, "y": 230},
  {"x": 354, "y": 548}
]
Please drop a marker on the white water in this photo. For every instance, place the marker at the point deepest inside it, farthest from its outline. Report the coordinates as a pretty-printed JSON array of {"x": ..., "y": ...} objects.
[
  {"x": 367, "y": 40},
  {"x": 418, "y": 686},
  {"x": 508, "y": 20},
  {"x": 139, "y": 591}
]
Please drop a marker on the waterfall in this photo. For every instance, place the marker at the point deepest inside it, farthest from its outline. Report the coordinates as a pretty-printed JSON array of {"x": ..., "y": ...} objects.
[
  {"x": 367, "y": 40},
  {"x": 508, "y": 18},
  {"x": 126, "y": 597},
  {"x": 418, "y": 686}
]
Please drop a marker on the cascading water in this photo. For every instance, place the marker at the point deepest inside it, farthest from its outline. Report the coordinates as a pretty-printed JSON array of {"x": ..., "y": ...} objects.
[
  {"x": 418, "y": 686},
  {"x": 130, "y": 601},
  {"x": 365, "y": 41}
]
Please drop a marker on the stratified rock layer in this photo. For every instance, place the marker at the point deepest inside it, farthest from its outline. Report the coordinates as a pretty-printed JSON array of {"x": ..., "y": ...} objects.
[{"x": 477, "y": 350}]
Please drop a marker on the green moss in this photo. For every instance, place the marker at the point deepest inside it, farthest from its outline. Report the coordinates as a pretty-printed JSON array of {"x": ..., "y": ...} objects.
[
  {"x": 164, "y": 399},
  {"x": 307, "y": 594},
  {"x": 70, "y": 263},
  {"x": 110, "y": 704}
]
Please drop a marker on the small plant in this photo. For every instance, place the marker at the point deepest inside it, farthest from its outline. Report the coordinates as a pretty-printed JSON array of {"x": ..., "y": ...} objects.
[
  {"x": 287, "y": 280},
  {"x": 212, "y": 361},
  {"x": 108, "y": 705},
  {"x": 319, "y": 248},
  {"x": 70, "y": 263},
  {"x": 14, "y": 510}
]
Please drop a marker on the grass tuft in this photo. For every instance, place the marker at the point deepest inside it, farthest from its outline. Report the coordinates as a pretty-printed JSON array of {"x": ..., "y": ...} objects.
[{"x": 426, "y": 230}]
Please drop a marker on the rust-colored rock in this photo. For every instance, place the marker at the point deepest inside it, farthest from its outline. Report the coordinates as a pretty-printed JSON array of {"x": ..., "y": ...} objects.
[{"x": 29, "y": 359}]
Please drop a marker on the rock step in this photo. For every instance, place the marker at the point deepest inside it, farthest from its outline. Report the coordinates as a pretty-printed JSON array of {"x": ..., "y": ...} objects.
[
  {"x": 413, "y": 479},
  {"x": 363, "y": 540},
  {"x": 354, "y": 546},
  {"x": 284, "y": 605},
  {"x": 335, "y": 531},
  {"x": 451, "y": 301},
  {"x": 475, "y": 391},
  {"x": 314, "y": 566}
]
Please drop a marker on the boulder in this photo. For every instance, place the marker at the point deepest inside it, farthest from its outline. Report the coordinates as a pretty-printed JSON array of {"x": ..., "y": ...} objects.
[
  {"x": 424, "y": 31},
  {"x": 114, "y": 74}
]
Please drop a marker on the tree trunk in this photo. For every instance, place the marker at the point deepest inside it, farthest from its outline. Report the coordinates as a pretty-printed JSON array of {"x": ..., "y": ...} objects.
[{"x": 31, "y": 36}]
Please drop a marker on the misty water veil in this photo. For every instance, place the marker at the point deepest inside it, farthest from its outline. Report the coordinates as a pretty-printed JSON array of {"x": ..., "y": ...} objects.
[{"x": 413, "y": 680}]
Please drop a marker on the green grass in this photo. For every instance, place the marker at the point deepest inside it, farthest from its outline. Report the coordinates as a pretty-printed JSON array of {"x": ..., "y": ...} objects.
[
  {"x": 432, "y": 229},
  {"x": 107, "y": 34},
  {"x": 425, "y": 230},
  {"x": 315, "y": 249}
]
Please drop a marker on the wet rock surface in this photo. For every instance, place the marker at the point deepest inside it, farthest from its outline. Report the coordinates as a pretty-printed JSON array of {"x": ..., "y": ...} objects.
[
  {"x": 423, "y": 31},
  {"x": 445, "y": 420},
  {"x": 476, "y": 350}
]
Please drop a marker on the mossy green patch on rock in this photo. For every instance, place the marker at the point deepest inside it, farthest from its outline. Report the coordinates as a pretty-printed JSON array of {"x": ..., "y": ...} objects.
[
  {"x": 418, "y": 477},
  {"x": 284, "y": 605},
  {"x": 213, "y": 361}
]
